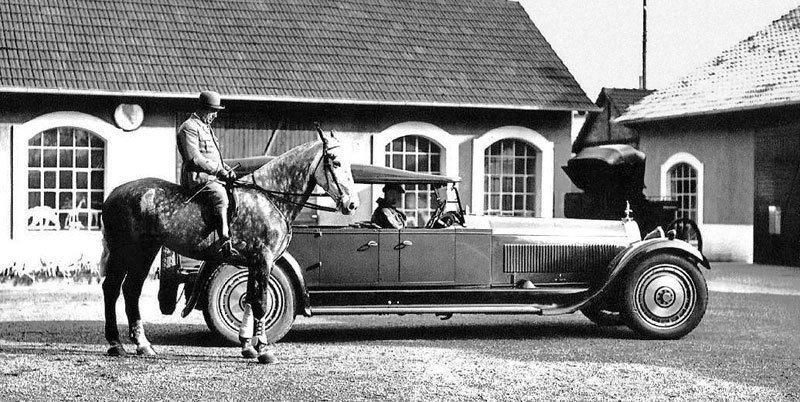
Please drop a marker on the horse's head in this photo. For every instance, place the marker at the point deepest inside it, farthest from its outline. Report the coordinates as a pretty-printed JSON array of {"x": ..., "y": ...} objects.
[{"x": 333, "y": 174}]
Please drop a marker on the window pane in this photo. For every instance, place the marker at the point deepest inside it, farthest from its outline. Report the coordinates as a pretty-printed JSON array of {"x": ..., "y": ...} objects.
[
  {"x": 519, "y": 184},
  {"x": 65, "y": 200},
  {"x": 495, "y": 201},
  {"x": 507, "y": 203},
  {"x": 34, "y": 179},
  {"x": 34, "y": 199},
  {"x": 97, "y": 180},
  {"x": 81, "y": 180},
  {"x": 81, "y": 138},
  {"x": 81, "y": 158},
  {"x": 50, "y": 156},
  {"x": 410, "y": 200},
  {"x": 411, "y": 144},
  {"x": 96, "y": 141},
  {"x": 65, "y": 157},
  {"x": 50, "y": 199},
  {"x": 397, "y": 161},
  {"x": 50, "y": 179},
  {"x": 97, "y": 199},
  {"x": 34, "y": 158},
  {"x": 508, "y": 184},
  {"x": 65, "y": 137},
  {"x": 36, "y": 140},
  {"x": 81, "y": 200},
  {"x": 97, "y": 158},
  {"x": 65, "y": 179},
  {"x": 50, "y": 138}
]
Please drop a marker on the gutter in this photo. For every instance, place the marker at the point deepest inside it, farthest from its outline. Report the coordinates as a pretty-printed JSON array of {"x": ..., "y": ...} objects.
[{"x": 192, "y": 96}]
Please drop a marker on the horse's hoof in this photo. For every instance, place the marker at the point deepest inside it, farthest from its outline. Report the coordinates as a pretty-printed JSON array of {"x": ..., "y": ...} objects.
[
  {"x": 249, "y": 352},
  {"x": 267, "y": 357},
  {"x": 145, "y": 351},
  {"x": 117, "y": 351}
]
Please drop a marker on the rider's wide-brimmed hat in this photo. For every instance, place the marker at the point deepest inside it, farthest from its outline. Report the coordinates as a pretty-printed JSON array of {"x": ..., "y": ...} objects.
[
  {"x": 395, "y": 187},
  {"x": 211, "y": 100}
]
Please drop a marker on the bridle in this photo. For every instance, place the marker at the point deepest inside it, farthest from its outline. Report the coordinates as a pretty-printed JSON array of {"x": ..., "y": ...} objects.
[
  {"x": 329, "y": 173},
  {"x": 330, "y": 178}
]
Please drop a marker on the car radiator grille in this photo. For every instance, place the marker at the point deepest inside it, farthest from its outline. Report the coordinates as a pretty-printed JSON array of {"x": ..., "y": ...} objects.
[{"x": 544, "y": 258}]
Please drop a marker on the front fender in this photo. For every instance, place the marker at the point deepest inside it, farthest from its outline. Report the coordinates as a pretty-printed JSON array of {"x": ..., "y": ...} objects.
[
  {"x": 296, "y": 273},
  {"x": 631, "y": 256}
]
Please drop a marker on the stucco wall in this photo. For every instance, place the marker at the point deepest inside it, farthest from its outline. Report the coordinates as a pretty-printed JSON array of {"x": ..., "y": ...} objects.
[{"x": 726, "y": 152}]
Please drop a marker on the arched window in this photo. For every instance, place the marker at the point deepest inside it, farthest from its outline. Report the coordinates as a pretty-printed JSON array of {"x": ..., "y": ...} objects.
[
  {"x": 66, "y": 172},
  {"x": 509, "y": 185},
  {"x": 417, "y": 154},
  {"x": 683, "y": 180}
]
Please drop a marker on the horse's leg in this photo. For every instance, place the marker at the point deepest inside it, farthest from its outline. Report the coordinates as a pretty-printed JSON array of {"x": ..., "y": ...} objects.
[
  {"x": 132, "y": 290},
  {"x": 115, "y": 273},
  {"x": 258, "y": 298},
  {"x": 246, "y": 332}
]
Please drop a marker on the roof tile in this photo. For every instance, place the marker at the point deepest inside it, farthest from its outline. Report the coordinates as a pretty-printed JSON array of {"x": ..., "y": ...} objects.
[
  {"x": 484, "y": 52},
  {"x": 760, "y": 71}
]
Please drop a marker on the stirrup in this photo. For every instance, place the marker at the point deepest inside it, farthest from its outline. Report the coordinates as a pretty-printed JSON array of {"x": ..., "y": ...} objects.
[{"x": 227, "y": 250}]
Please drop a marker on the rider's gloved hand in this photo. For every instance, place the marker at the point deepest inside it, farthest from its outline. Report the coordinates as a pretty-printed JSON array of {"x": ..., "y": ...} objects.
[{"x": 226, "y": 175}]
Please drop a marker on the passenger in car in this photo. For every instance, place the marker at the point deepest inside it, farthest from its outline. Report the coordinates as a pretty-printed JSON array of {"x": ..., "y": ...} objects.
[{"x": 386, "y": 214}]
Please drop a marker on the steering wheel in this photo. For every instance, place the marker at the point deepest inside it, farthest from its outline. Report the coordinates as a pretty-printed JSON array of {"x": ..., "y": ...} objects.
[{"x": 437, "y": 214}]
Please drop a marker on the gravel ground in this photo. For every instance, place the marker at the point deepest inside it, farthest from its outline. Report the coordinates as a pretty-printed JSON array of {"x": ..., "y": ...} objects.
[{"x": 52, "y": 348}]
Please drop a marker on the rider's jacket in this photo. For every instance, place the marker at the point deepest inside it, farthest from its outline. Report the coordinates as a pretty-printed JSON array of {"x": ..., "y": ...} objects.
[{"x": 199, "y": 149}]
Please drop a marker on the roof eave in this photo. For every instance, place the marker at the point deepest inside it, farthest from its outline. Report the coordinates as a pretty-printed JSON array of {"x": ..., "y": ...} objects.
[
  {"x": 638, "y": 120},
  {"x": 265, "y": 98}
]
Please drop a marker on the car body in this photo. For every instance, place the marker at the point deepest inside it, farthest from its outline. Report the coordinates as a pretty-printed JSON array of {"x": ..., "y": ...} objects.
[{"x": 461, "y": 264}]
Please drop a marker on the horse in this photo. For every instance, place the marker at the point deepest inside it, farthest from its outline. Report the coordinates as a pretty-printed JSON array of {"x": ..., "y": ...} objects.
[{"x": 141, "y": 216}]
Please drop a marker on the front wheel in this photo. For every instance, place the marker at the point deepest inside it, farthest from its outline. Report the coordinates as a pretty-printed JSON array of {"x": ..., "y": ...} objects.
[
  {"x": 226, "y": 299},
  {"x": 664, "y": 297}
]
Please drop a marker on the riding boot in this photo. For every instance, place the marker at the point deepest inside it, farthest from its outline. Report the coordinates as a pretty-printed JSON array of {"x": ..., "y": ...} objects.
[
  {"x": 265, "y": 353},
  {"x": 223, "y": 230},
  {"x": 246, "y": 333}
]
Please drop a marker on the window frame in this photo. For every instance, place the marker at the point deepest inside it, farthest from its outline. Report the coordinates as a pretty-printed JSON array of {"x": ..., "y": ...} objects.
[
  {"x": 447, "y": 143},
  {"x": 691, "y": 160},
  {"x": 21, "y": 134},
  {"x": 530, "y": 152},
  {"x": 544, "y": 166}
]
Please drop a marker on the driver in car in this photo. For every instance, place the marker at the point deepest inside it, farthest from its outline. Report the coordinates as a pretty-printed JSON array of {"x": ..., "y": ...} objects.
[{"x": 386, "y": 214}]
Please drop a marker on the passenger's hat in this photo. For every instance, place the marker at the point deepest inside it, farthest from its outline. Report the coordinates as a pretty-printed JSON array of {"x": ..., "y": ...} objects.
[
  {"x": 210, "y": 100},
  {"x": 394, "y": 186}
]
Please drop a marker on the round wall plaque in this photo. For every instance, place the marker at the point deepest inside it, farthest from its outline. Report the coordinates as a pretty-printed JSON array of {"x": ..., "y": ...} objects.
[{"x": 128, "y": 116}]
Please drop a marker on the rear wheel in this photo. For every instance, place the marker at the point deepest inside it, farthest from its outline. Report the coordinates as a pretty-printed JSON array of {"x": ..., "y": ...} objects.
[
  {"x": 226, "y": 299},
  {"x": 664, "y": 297}
]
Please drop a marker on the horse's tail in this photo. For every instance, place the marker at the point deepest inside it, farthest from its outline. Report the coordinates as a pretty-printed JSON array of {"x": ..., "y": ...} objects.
[{"x": 104, "y": 258}]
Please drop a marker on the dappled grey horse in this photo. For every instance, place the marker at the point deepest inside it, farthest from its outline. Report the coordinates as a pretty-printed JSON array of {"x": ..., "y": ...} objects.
[{"x": 142, "y": 215}]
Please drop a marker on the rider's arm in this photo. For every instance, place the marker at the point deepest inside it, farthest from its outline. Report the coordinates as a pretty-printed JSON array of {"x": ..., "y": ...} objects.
[{"x": 190, "y": 141}]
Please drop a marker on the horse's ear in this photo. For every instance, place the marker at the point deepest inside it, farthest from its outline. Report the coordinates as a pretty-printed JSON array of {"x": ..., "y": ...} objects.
[{"x": 321, "y": 133}]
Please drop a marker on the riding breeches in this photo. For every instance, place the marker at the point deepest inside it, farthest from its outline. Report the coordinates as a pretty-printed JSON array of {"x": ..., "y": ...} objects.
[{"x": 214, "y": 194}]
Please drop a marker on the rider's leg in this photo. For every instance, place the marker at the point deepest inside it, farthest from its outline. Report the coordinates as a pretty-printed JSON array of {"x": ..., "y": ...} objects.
[{"x": 219, "y": 201}]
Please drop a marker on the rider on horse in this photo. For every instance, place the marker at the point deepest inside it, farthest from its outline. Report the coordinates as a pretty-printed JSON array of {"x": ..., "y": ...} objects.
[{"x": 203, "y": 168}]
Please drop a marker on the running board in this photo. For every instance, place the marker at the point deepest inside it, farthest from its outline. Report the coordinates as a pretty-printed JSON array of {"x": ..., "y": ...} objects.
[{"x": 422, "y": 309}]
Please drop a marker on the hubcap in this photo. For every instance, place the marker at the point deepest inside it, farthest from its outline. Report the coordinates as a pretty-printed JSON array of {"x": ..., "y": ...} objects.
[
  {"x": 233, "y": 300},
  {"x": 665, "y": 296}
]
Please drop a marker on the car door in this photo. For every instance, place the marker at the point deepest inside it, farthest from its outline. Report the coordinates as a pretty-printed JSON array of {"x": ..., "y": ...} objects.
[
  {"x": 348, "y": 257},
  {"x": 427, "y": 256}
]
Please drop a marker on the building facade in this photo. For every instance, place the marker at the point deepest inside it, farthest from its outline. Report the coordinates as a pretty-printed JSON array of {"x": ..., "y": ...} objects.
[
  {"x": 724, "y": 139},
  {"x": 98, "y": 103}
]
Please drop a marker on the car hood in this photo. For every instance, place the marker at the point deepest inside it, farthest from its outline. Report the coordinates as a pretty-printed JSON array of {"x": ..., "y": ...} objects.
[{"x": 558, "y": 227}]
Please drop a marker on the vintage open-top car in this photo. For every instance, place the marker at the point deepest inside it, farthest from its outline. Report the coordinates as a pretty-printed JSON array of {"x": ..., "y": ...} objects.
[{"x": 461, "y": 264}]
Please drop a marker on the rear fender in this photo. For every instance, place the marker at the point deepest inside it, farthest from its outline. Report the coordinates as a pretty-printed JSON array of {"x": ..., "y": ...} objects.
[{"x": 627, "y": 259}]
